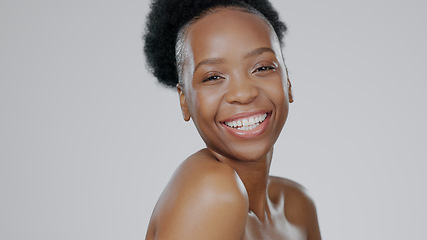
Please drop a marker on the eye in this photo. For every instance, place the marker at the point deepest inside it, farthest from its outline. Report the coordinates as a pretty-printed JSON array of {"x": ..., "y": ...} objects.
[
  {"x": 265, "y": 68},
  {"x": 212, "y": 78}
]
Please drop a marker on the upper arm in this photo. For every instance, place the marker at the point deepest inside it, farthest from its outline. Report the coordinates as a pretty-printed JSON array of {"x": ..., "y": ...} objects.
[
  {"x": 308, "y": 212},
  {"x": 208, "y": 206},
  {"x": 313, "y": 230},
  {"x": 300, "y": 208}
]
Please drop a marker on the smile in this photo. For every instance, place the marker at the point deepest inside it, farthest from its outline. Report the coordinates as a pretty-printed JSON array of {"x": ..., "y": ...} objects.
[{"x": 247, "y": 124}]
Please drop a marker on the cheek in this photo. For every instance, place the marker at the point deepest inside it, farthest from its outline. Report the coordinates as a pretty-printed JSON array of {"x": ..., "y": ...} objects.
[
  {"x": 278, "y": 96},
  {"x": 281, "y": 100},
  {"x": 206, "y": 104},
  {"x": 277, "y": 92}
]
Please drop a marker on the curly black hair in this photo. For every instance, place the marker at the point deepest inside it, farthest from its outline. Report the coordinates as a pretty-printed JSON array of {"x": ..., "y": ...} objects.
[{"x": 166, "y": 19}]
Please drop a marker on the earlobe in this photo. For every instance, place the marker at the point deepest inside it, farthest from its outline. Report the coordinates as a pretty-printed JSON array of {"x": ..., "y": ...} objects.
[
  {"x": 183, "y": 103},
  {"x": 290, "y": 95}
]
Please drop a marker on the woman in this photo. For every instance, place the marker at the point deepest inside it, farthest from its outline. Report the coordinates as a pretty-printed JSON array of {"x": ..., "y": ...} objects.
[{"x": 225, "y": 59}]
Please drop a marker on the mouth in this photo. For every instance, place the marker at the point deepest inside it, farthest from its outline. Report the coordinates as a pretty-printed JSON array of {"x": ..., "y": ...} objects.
[
  {"x": 247, "y": 123},
  {"x": 250, "y": 126}
]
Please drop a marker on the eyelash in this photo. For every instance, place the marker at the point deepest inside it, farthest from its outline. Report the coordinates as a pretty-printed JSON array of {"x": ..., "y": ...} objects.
[
  {"x": 212, "y": 78},
  {"x": 265, "y": 68},
  {"x": 260, "y": 69}
]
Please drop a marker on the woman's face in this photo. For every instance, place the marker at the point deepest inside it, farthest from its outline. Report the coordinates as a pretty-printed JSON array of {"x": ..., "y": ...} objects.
[{"x": 234, "y": 77}]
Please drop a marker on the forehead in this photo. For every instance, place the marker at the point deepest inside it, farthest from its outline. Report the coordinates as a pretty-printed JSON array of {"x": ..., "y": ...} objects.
[{"x": 226, "y": 30}]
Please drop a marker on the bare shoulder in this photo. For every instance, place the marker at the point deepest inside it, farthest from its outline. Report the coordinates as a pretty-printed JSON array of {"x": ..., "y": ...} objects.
[
  {"x": 203, "y": 196},
  {"x": 294, "y": 191},
  {"x": 299, "y": 206}
]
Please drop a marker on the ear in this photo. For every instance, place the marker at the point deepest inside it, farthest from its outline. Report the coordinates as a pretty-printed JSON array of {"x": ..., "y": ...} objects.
[
  {"x": 183, "y": 102},
  {"x": 290, "y": 95}
]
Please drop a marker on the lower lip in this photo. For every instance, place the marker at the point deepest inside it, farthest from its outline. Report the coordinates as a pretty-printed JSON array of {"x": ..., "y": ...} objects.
[{"x": 249, "y": 133}]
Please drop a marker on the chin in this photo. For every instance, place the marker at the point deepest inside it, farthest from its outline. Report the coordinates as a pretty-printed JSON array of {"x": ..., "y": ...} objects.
[{"x": 246, "y": 153}]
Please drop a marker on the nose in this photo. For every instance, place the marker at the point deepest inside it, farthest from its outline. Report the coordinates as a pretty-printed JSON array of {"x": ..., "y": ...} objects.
[{"x": 241, "y": 90}]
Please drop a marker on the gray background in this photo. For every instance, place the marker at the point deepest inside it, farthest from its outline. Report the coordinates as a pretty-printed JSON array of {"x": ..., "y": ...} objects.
[{"x": 88, "y": 140}]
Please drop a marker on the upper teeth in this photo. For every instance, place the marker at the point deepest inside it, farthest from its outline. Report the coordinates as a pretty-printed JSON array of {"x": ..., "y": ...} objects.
[{"x": 247, "y": 122}]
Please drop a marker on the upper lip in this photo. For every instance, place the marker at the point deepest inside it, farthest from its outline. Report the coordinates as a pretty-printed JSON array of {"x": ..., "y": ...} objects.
[{"x": 244, "y": 115}]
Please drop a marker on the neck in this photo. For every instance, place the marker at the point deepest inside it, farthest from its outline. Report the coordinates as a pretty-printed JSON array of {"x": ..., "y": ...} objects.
[{"x": 254, "y": 175}]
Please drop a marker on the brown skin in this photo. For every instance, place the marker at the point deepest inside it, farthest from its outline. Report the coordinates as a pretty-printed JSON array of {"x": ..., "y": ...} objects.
[{"x": 225, "y": 192}]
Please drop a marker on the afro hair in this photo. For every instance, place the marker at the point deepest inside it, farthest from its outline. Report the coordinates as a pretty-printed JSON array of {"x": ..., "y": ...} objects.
[{"x": 166, "y": 19}]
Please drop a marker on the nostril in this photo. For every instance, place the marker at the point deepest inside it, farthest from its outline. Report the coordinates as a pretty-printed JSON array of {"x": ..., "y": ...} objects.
[{"x": 242, "y": 93}]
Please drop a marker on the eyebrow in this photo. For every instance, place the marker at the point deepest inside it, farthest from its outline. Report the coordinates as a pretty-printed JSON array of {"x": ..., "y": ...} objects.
[
  {"x": 209, "y": 61},
  {"x": 258, "y": 51},
  {"x": 215, "y": 61}
]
